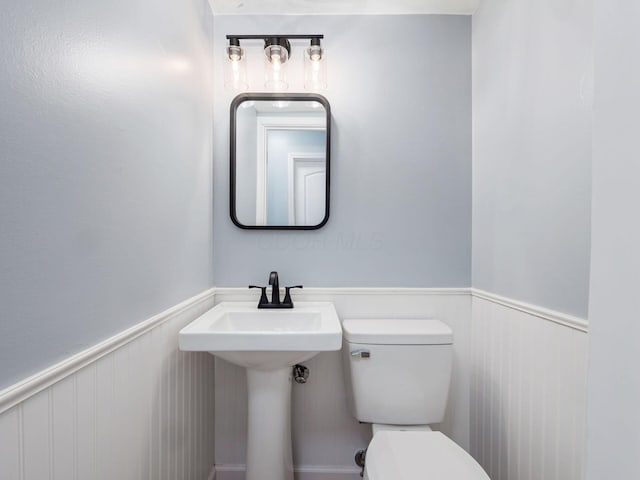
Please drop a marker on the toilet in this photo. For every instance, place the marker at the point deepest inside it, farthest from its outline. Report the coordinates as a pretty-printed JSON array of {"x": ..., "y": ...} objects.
[{"x": 397, "y": 374}]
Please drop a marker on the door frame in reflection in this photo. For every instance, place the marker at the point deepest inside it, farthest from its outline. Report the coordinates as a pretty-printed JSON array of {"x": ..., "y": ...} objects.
[{"x": 265, "y": 124}]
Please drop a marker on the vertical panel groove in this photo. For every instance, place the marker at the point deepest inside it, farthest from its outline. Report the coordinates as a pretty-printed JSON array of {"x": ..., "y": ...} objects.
[
  {"x": 161, "y": 381},
  {"x": 94, "y": 367},
  {"x": 200, "y": 414},
  {"x": 519, "y": 399},
  {"x": 150, "y": 400},
  {"x": 166, "y": 406},
  {"x": 183, "y": 430},
  {"x": 21, "y": 441},
  {"x": 51, "y": 433},
  {"x": 189, "y": 415},
  {"x": 75, "y": 427},
  {"x": 176, "y": 383}
]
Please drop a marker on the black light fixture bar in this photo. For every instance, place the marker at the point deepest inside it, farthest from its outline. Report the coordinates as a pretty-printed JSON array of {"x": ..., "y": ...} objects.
[{"x": 279, "y": 35}]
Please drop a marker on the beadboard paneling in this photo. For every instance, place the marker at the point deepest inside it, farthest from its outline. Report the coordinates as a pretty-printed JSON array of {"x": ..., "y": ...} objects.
[
  {"x": 144, "y": 410},
  {"x": 325, "y": 436},
  {"x": 11, "y": 444},
  {"x": 528, "y": 394}
]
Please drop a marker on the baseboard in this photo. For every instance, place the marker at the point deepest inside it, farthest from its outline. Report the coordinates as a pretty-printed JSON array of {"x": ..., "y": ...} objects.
[
  {"x": 563, "y": 319},
  {"x": 302, "y": 472},
  {"x": 19, "y": 392}
]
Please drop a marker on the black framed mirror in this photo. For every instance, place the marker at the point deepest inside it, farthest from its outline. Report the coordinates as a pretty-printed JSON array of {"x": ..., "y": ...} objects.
[{"x": 280, "y": 161}]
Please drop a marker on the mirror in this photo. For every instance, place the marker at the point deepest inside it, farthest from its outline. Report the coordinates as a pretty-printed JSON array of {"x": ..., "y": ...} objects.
[{"x": 280, "y": 161}]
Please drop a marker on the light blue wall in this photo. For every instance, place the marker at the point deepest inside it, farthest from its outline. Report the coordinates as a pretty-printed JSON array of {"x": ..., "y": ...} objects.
[
  {"x": 105, "y": 170},
  {"x": 613, "y": 424},
  {"x": 279, "y": 144},
  {"x": 400, "y": 94},
  {"x": 532, "y": 112}
]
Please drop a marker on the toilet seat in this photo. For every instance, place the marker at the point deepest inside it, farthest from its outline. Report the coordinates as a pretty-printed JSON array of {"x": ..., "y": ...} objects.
[{"x": 414, "y": 455}]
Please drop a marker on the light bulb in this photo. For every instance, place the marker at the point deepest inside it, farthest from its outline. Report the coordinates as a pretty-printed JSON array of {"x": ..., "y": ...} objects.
[
  {"x": 315, "y": 68},
  {"x": 315, "y": 53},
  {"x": 235, "y": 72},
  {"x": 235, "y": 53},
  {"x": 275, "y": 71}
]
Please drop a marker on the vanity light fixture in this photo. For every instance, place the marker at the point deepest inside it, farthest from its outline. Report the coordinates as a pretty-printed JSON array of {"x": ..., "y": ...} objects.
[{"x": 277, "y": 49}]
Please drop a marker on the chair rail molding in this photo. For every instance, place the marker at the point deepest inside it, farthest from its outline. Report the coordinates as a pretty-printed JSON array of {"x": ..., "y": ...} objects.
[
  {"x": 570, "y": 321},
  {"x": 21, "y": 391}
]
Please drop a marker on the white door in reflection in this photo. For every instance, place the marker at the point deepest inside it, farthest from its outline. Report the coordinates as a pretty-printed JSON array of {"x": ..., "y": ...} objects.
[{"x": 307, "y": 188}]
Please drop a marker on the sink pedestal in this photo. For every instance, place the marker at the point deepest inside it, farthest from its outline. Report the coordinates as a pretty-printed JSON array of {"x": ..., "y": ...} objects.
[
  {"x": 269, "y": 454},
  {"x": 267, "y": 344}
]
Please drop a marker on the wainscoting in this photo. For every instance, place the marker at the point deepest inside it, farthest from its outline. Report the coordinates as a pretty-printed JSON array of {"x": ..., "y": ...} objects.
[
  {"x": 325, "y": 435},
  {"x": 528, "y": 390},
  {"x": 132, "y": 407}
]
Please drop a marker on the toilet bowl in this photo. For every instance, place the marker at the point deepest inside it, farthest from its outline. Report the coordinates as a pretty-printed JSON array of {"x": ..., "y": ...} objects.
[{"x": 397, "y": 374}]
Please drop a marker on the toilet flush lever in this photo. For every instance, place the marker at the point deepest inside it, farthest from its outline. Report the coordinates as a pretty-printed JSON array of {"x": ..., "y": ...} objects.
[{"x": 361, "y": 353}]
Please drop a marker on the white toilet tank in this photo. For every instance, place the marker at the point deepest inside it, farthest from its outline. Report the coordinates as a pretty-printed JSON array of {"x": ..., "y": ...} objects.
[{"x": 397, "y": 371}]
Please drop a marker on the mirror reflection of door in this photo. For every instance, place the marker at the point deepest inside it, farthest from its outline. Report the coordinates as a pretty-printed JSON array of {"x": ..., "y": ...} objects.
[
  {"x": 307, "y": 180},
  {"x": 280, "y": 161}
]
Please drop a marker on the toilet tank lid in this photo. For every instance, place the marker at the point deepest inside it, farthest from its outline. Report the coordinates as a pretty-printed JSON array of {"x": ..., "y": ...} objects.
[{"x": 397, "y": 331}]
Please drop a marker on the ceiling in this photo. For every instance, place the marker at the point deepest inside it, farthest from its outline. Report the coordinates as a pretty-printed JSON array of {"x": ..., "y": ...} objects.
[{"x": 348, "y": 7}]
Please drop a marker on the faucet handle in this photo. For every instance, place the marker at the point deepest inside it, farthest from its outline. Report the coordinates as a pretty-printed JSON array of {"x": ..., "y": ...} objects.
[
  {"x": 287, "y": 295},
  {"x": 263, "y": 296}
]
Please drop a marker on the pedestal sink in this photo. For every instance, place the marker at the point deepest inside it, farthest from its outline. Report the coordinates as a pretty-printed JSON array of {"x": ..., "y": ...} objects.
[{"x": 268, "y": 343}]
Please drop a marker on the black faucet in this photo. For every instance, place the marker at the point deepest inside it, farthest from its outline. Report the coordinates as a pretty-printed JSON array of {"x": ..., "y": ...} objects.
[
  {"x": 275, "y": 288},
  {"x": 275, "y": 294}
]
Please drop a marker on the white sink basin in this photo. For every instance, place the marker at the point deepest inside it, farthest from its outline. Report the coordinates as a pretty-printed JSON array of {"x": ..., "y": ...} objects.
[{"x": 264, "y": 339}]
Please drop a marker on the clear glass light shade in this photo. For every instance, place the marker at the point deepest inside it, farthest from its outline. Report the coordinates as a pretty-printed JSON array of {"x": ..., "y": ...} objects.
[
  {"x": 235, "y": 69},
  {"x": 275, "y": 68},
  {"x": 315, "y": 68}
]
